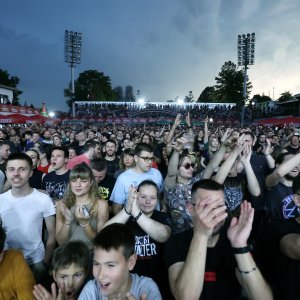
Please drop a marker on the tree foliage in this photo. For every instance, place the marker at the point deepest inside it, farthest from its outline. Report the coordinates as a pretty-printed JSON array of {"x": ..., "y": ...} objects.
[
  {"x": 229, "y": 86},
  {"x": 91, "y": 85},
  {"x": 261, "y": 98},
  {"x": 285, "y": 96},
  {"x": 11, "y": 81},
  {"x": 207, "y": 95}
]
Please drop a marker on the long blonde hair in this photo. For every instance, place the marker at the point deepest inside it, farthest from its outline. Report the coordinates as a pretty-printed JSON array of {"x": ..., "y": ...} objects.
[{"x": 82, "y": 171}]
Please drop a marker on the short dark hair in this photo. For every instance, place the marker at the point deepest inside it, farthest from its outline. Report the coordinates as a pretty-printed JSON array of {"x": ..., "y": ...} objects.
[
  {"x": 35, "y": 151},
  {"x": 148, "y": 182},
  {"x": 89, "y": 144},
  {"x": 207, "y": 184},
  {"x": 63, "y": 149},
  {"x": 74, "y": 252},
  {"x": 29, "y": 132},
  {"x": 3, "y": 131},
  {"x": 20, "y": 156},
  {"x": 111, "y": 141},
  {"x": 98, "y": 164},
  {"x": 280, "y": 158},
  {"x": 114, "y": 237},
  {"x": 2, "y": 142},
  {"x": 142, "y": 147},
  {"x": 2, "y": 238},
  {"x": 249, "y": 133}
]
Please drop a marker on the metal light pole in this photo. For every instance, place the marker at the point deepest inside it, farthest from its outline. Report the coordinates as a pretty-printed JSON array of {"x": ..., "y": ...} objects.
[
  {"x": 138, "y": 92},
  {"x": 73, "y": 57},
  {"x": 246, "y": 54}
]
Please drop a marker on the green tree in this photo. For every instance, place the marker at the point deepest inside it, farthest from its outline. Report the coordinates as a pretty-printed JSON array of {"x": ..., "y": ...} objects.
[
  {"x": 11, "y": 81},
  {"x": 230, "y": 82},
  {"x": 91, "y": 85},
  {"x": 285, "y": 96},
  {"x": 261, "y": 98},
  {"x": 207, "y": 95}
]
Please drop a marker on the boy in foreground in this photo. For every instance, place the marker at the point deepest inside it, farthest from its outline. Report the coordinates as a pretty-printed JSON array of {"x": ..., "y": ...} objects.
[
  {"x": 70, "y": 269},
  {"x": 114, "y": 258}
]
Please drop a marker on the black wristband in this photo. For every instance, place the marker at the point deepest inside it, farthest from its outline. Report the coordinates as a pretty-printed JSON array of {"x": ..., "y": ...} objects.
[
  {"x": 189, "y": 127},
  {"x": 242, "y": 250},
  {"x": 127, "y": 212},
  {"x": 138, "y": 216}
]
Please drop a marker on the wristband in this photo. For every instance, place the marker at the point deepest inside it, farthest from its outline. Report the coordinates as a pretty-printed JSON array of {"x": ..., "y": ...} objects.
[
  {"x": 246, "y": 272},
  {"x": 127, "y": 212},
  {"x": 189, "y": 127},
  {"x": 138, "y": 216},
  {"x": 242, "y": 250}
]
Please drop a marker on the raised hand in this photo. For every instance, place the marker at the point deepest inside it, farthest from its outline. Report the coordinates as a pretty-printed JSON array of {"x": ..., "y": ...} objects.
[
  {"x": 267, "y": 149},
  {"x": 65, "y": 212},
  {"x": 179, "y": 144},
  {"x": 188, "y": 119},
  {"x": 177, "y": 119},
  {"x": 209, "y": 212},
  {"x": 132, "y": 195},
  {"x": 245, "y": 155},
  {"x": 240, "y": 228},
  {"x": 40, "y": 293},
  {"x": 80, "y": 216}
]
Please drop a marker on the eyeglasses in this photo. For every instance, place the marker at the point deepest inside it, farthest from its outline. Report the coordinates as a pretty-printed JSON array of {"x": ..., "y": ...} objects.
[
  {"x": 188, "y": 165},
  {"x": 147, "y": 159}
]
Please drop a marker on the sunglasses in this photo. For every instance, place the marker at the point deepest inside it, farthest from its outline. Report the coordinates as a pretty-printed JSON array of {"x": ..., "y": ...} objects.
[{"x": 188, "y": 165}]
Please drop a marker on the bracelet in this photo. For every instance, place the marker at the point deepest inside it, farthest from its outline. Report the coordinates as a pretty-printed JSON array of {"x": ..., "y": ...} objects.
[
  {"x": 189, "y": 127},
  {"x": 127, "y": 212},
  {"x": 242, "y": 250},
  {"x": 138, "y": 216},
  {"x": 246, "y": 272},
  {"x": 67, "y": 223},
  {"x": 84, "y": 225}
]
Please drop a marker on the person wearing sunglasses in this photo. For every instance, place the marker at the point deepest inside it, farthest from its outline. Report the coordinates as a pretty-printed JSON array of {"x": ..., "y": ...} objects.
[{"x": 178, "y": 183}]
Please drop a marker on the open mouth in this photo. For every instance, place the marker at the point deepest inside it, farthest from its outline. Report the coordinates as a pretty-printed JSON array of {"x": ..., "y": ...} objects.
[
  {"x": 70, "y": 295},
  {"x": 104, "y": 285}
]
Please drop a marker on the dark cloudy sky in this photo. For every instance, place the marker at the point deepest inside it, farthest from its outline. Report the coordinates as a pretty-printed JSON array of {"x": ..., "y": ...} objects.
[{"x": 165, "y": 48}]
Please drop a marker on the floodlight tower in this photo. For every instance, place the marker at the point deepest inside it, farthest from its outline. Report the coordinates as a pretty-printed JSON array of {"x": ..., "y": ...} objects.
[
  {"x": 73, "y": 41},
  {"x": 246, "y": 54}
]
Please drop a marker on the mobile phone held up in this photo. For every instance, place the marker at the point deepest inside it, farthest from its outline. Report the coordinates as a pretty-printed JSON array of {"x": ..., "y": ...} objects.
[{"x": 85, "y": 211}]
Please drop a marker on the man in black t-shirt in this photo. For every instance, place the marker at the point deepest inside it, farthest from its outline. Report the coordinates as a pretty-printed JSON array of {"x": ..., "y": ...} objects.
[
  {"x": 202, "y": 260},
  {"x": 294, "y": 146},
  {"x": 279, "y": 183},
  {"x": 55, "y": 183},
  {"x": 105, "y": 182},
  {"x": 110, "y": 156},
  {"x": 280, "y": 258}
]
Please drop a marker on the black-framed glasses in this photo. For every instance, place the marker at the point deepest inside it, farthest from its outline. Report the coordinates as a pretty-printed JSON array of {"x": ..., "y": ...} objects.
[
  {"x": 147, "y": 159},
  {"x": 188, "y": 165}
]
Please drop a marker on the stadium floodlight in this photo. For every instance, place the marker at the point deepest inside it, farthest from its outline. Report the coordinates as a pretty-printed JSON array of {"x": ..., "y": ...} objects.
[
  {"x": 180, "y": 101},
  {"x": 73, "y": 42},
  {"x": 141, "y": 101},
  {"x": 246, "y": 56}
]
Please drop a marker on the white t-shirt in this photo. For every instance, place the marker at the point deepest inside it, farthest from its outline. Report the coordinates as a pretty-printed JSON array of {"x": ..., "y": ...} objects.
[
  {"x": 2, "y": 179},
  {"x": 140, "y": 285},
  {"x": 22, "y": 219},
  {"x": 120, "y": 192}
]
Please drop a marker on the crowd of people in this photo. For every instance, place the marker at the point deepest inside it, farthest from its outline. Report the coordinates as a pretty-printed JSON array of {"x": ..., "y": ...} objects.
[
  {"x": 149, "y": 211},
  {"x": 149, "y": 110}
]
